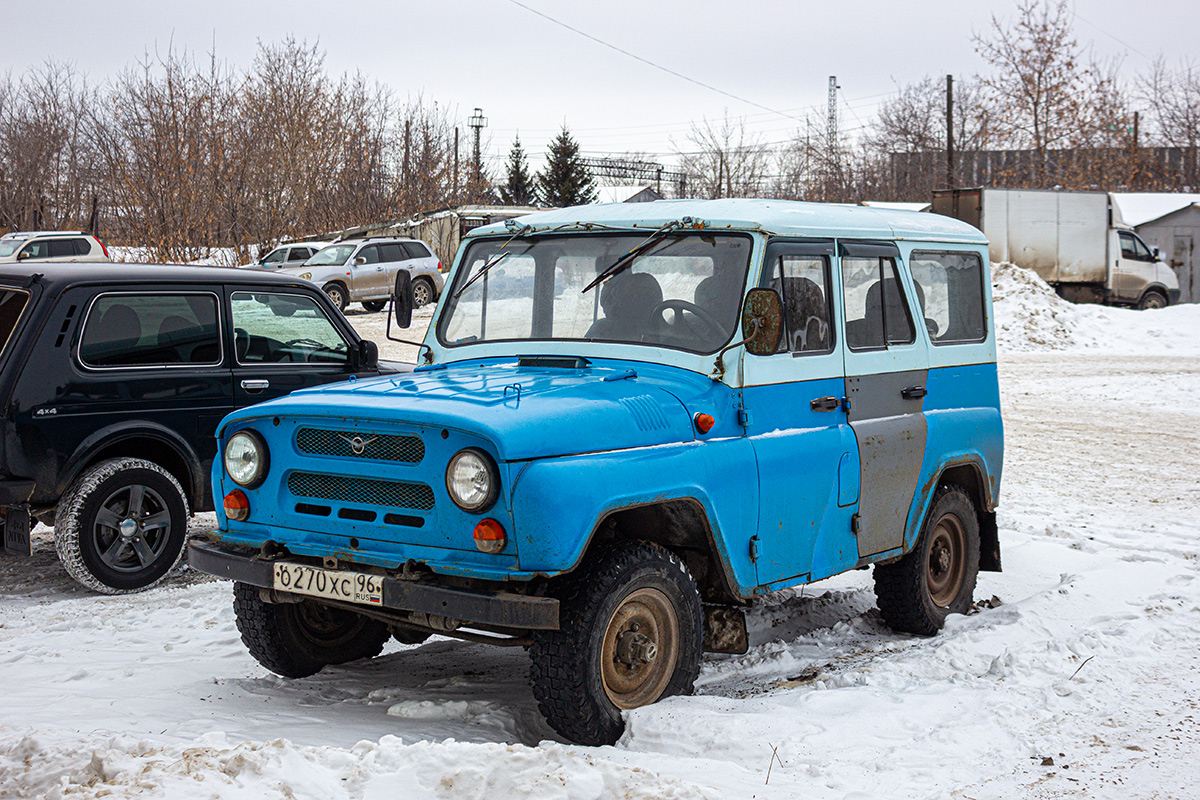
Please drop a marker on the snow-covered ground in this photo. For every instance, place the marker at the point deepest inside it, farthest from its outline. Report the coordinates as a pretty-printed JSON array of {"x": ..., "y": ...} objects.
[{"x": 1077, "y": 677}]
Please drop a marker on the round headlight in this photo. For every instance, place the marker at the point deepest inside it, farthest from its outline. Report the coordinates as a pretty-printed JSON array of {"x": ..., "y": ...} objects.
[
  {"x": 246, "y": 458},
  {"x": 472, "y": 481}
]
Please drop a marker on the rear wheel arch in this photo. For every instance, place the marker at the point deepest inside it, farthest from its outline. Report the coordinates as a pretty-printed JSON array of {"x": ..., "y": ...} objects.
[
  {"x": 969, "y": 475},
  {"x": 159, "y": 447}
]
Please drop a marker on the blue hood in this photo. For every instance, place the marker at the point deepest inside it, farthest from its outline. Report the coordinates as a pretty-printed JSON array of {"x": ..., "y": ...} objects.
[{"x": 525, "y": 411}]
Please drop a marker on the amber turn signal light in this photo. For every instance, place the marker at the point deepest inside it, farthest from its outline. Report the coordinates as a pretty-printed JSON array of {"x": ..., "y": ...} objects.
[
  {"x": 489, "y": 536},
  {"x": 704, "y": 422},
  {"x": 237, "y": 505}
]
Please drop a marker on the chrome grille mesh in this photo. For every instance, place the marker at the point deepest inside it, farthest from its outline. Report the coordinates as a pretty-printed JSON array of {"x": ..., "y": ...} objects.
[
  {"x": 357, "y": 444},
  {"x": 365, "y": 491}
]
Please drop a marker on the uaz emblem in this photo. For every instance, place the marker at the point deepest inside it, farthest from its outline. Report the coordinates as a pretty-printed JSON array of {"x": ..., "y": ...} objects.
[{"x": 358, "y": 445}]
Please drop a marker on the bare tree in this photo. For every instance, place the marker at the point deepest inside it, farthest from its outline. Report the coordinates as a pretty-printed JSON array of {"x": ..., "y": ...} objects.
[
  {"x": 1174, "y": 97},
  {"x": 722, "y": 159}
]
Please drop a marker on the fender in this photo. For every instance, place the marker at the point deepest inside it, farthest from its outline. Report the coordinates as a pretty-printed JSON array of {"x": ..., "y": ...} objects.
[
  {"x": 134, "y": 429},
  {"x": 989, "y": 554},
  {"x": 559, "y": 504}
]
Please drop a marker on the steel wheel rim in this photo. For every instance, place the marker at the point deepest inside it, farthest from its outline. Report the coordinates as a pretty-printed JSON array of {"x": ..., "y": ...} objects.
[
  {"x": 647, "y": 613},
  {"x": 947, "y": 560},
  {"x": 132, "y": 528},
  {"x": 325, "y": 626}
]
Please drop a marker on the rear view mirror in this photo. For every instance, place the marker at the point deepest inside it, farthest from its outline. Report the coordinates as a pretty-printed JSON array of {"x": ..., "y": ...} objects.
[
  {"x": 762, "y": 321},
  {"x": 402, "y": 299}
]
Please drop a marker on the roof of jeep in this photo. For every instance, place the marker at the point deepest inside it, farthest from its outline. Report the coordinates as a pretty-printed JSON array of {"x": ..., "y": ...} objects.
[
  {"x": 61, "y": 274},
  {"x": 777, "y": 217}
]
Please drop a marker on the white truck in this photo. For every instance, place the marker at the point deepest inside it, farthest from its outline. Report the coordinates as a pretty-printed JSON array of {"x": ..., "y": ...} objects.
[{"x": 1076, "y": 241}]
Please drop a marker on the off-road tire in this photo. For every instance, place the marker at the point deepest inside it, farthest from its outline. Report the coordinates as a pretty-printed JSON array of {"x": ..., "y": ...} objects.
[
  {"x": 76, "y": 538},
  {"x": 336, "y": 292},
  {"x": 1152, "y": 299},
  {"x": 374, "y": 306},
  {"x": 567, "y": 665},
  {"x": 423, "y": 293},
  {"x": 903, "y": 588},
  {"x": 283, "y": 638}
]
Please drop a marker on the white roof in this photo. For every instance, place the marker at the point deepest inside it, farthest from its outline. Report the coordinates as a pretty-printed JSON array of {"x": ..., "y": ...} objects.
[
  {"x": 894, "y": 206},
  {"x": 618, "y": 194},
  {"x": 1138, "y": 208}
]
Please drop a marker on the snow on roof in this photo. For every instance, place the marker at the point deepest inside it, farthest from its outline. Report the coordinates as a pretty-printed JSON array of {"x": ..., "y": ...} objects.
[
  {"x": 1138, "y": 208},
  {"x": 895, "y": 206},
  {"x": 618, "y": 194}
]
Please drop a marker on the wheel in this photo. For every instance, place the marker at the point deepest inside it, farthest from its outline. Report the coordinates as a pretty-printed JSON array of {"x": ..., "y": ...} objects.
[
  {"x": 300, "y": 639},
  {"x": 937, "y": 577},
  {"x": 630, "y": 634},
  {"x": 422, "y": 292},
  {"x": 121, "y": 526},
  {"x": 1152, "y": 299},
  {"x": 337, "y": 293},
  {"x": 374, "y": 305}
]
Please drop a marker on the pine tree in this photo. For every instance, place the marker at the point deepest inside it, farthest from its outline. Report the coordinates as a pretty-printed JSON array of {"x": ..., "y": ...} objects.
[
  {"x": 565, "y": 181},
  {"x": 518, "y": 189}
]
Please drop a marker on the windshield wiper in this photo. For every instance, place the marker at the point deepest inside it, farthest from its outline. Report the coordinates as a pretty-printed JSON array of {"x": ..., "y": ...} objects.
[
  {"x": 499, "y": 256},
  {"x": 624, "y": 261}
]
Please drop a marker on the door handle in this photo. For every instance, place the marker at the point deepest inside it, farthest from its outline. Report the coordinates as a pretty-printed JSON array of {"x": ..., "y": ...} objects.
[
  {"x": 914, "y": 392},
  {"x": 255, "y": 384},
  {"x": 830, "y": 403}
]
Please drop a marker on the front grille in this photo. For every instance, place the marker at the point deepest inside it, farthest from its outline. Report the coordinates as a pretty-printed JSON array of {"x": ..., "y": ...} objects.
[
  {"x": 365, "y": 491},
  {"x": 344, "y": 444}
]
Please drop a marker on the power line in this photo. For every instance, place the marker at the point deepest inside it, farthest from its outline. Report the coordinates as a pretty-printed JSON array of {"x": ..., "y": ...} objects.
[{"x": 649, "y": 62}]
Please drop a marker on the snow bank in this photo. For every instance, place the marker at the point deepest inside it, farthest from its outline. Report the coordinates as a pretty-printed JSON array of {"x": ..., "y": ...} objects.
[{"x": 1030, "y": 316}]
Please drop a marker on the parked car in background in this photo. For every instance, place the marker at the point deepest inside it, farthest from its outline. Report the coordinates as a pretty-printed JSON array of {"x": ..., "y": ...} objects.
[
  {"x": 51, "y": 246},
  {"x": 364, "y": 271},
  {"x": 727, "y": 398},
  {"x": 287, "y": 255},
  {"x": 112, "y": 384}
]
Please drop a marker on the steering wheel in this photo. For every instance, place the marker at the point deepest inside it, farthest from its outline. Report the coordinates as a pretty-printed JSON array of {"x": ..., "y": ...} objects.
[{"x": 679, "y": 306}]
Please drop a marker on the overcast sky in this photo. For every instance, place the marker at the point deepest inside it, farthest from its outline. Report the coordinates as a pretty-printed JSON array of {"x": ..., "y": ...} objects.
[{"x": 532, "y": 75}]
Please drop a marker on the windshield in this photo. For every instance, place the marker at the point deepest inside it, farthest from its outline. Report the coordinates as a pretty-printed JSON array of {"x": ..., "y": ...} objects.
[
  {"x": 332, "y": 255},
  {"x": 7, "y": 248},
  {"x": 684, "y": 291}
]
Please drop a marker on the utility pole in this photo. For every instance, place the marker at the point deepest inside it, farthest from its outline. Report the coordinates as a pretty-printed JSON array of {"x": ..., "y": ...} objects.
[
  {"x": 949, "y": 131},
  {"x": 478, "y": 122},
  {"x": 455, "y": 184},
  {"x": 831, "y": 133}
]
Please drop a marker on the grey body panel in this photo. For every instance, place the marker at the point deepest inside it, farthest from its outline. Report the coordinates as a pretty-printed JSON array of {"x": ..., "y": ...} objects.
[{"x": 891, "y": 433}]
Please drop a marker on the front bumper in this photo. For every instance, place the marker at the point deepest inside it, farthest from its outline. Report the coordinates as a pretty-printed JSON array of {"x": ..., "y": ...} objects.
[{"x": 480, "y": 606}]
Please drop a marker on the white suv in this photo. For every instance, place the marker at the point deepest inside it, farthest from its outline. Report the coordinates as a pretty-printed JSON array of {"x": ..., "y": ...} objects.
[
  {"x": 52, "y": 246},
  {"x": 364, "y": 271},
  {"x": 287, "y": 255}
]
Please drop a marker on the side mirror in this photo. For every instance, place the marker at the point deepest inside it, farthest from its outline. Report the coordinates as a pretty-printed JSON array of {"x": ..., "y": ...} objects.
[
  {"x": 368, "y": 355},
  {"x": 762, "y": 321},
  {"x": 402, "y": 299},
  {"x": 360, "y": 260},
  {"x": 1156, "y": 257},
  {"x": 24, "y": 254}
]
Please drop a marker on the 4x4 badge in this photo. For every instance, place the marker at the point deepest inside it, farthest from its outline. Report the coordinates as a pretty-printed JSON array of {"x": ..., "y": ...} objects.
[{"x": 358, "y": 444}]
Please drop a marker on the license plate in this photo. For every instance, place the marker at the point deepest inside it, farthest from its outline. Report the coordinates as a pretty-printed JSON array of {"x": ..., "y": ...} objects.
[{"x": 351, "y": 587}]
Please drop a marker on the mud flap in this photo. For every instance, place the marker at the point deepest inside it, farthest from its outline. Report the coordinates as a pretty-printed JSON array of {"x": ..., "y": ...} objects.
[
  {"x": 725, "y": 630},
  {"x": 16, "y": 531}
]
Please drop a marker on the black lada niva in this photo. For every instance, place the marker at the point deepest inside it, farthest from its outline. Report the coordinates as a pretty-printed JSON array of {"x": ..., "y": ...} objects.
[{"x": 113, "y": 378}]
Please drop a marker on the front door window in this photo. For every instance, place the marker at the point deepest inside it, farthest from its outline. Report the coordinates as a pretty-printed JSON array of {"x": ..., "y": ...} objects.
[{"x": 278, "y": 328}]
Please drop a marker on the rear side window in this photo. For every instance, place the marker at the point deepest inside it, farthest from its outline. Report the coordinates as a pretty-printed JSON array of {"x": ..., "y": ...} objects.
[
  {"x": 125, "y": 330},
  {"x": 416, "y": 250},
  {"x": 82, "y": 246},
  {"x": 12, "y": 303},
  {"x": 876, "y": 314},
  {"x": 391, "y": 253},
  {"x": 950, "y": 290},
  {"x": 61, "y": 248},
  {"x": 802, "y": 282}
]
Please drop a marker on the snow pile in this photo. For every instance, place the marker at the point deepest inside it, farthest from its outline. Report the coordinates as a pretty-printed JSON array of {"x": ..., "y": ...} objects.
[{"x": 1030, "y": 316}]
